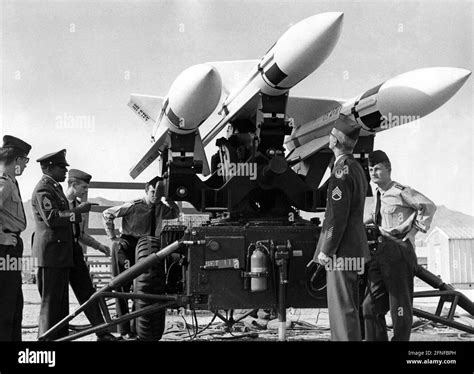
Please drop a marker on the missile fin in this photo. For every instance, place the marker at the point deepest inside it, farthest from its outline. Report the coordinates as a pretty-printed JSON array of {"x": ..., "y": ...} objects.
[
  {"x": 306, "y": 109},
  {"x": 152, "y": 154},
  {"x": 306, "y": 150},
  {"x": 147, "y": 108}
]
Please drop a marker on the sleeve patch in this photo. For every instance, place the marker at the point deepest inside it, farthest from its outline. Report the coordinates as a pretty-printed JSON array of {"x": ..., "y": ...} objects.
[
  {"x": 47, "y": 205},
  {"x": 330, "y": 230},
  {"x": 336, "y": 194}
]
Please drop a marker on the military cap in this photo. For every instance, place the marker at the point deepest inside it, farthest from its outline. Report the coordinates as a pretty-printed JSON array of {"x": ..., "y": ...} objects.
[
  {"x": 16, "y": 143},
  {"x": 347, "y": 132},
  {"x": 376, "y": 157},
  {"x": 55, "y": 158},
  {"x": 79, "y": 174}
]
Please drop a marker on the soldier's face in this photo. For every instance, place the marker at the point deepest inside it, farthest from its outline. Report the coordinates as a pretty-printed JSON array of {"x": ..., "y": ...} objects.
[
  {"x": 379, "y": 174},
  {"x": 80, "y": 189},
  {"x": 58, "y": 173},
  {"x": 150, "y": 195},
  {"x": 20, "y": 164}
]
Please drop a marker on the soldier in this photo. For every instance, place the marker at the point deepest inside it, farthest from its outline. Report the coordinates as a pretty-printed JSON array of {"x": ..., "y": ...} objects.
[
  {"x": 53, "y": 241},
  {"x": 343, "y": 239},
  {"x": 141, "y": 217},
  {"x": 79, "y": 277},
  {"x": 400, "y": 212},
  {"x": 13, "y": 160}
]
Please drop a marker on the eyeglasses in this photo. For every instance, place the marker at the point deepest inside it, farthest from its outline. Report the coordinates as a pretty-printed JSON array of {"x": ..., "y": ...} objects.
[{"x": 25, "y": 158}]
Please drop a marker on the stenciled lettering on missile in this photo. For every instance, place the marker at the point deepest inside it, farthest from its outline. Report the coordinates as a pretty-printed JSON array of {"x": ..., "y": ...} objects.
[
  {"x": 339, "y": 172},
  {"x": 336, "y": 194},
  {"x": 140, "y": 112}
]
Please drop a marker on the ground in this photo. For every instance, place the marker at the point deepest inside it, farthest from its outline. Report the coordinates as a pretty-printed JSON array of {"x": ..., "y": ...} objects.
[{"x": 304, "y": 324}]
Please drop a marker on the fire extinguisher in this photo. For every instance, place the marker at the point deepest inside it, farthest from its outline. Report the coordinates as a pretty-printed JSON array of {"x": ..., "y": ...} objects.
[{"x": 258, "y": 264}]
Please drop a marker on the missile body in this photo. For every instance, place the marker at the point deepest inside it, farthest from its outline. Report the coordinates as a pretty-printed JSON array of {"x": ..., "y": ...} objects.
[
  {"x": 193, "y": 96},
  {"x": 296, "y": 54},
  {"x": 398, "y": 101}
]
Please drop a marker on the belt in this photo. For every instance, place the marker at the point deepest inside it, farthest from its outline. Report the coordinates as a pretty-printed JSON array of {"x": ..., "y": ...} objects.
[
  {"x": 17, "y": 233},
  {"x": 383, "y": 239}
]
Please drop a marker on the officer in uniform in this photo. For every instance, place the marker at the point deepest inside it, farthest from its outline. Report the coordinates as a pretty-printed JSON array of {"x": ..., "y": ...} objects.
[
  {"x": 53, "y": 241},
  {"x": 79, "y": 276},
  {"x": 400, "y": 212},
  {"x": 13, "y": 160},
  {"x": 140, "y": 217},
  {"x": 343, "y": 239}
]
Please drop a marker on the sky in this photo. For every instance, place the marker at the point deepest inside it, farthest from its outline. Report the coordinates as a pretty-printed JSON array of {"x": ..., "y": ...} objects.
[{"x": 68, "y": 68}]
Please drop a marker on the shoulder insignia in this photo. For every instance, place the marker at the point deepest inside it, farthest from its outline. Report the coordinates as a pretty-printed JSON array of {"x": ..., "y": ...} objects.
[
  {"x": 399, "y": 186},
  {"x": 336, "y": 194},
  {"x": 47, "y": 203},
  {"x": 340, "y": 171},
  {"x": 137, "y": 201}
]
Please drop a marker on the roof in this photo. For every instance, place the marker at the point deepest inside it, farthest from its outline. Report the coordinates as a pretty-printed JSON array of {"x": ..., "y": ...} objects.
[{"x": 454, "y": 232}]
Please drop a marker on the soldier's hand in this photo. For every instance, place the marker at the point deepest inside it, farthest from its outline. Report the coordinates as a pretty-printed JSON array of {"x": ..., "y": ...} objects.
[
  {"x": 118, "y": 240},
  {"x": 8, "y": 239},
  {"x": 104, "y": 249},
  {"x": 323, "y": 258},
  {"x": 84, "y": 207}
]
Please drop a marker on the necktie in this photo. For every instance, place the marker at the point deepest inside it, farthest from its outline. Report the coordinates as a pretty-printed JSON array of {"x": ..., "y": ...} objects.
[
  {"x": 378, "y": 216},
  {"x": 153, "y": 220},
  {"x": 76, "y": 228},
  {"x": 21, "y": 201}
]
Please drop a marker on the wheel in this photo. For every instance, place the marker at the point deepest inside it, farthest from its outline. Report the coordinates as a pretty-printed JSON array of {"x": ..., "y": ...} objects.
[{"x": 150, "y": 326}]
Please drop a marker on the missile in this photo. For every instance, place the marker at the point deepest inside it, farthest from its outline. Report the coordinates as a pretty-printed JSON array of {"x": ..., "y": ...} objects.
[
  {"x": 192, "y": 97},
  {"x": 400, "y": 100},
  {"x": 296, "y": 54}
]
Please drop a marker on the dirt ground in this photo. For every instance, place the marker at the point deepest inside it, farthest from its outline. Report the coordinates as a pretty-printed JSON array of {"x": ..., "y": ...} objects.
[{"x": 303, "y": 324}]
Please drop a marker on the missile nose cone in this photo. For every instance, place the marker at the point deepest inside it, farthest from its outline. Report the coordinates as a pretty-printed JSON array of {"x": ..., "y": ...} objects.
[
  {"x": 419, "y": 92},
  {"x": 306, "y": 45},
  {"x": 194, "y": 95}
]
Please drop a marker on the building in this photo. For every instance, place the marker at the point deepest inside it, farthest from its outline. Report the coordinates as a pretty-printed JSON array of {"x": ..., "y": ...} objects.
[{"x": 450, "y": 254}]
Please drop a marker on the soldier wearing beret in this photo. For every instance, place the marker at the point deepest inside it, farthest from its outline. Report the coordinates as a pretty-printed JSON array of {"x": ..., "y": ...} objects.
[
  {"x": 13, "y": 160},
  {"x": 141, "y": 217},
  {"x": 79, "y": 276},
  {"x": 53, "y": 241},
  {"x": 400, "y": 212},
  {"x": 343, "y": 239}
]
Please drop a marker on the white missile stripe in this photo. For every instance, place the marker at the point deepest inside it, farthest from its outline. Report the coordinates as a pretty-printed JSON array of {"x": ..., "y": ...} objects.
[{"x": 273, "y": 115}]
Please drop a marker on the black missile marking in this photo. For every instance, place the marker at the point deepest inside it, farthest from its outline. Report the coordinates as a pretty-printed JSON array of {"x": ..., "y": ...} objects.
[
  {"x": 371, "y": 92},
  {"x": 273, "y": 76},
  {"x": 173, "y": 118},
  {"x": 354, "y": 112},
  {"x": 372, "y": 120}
]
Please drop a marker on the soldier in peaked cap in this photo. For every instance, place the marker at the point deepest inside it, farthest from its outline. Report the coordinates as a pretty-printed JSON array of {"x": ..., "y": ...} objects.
[
  {"x": 343, "y": 239},
  {"x": 13, "y": 160},
  {"x": 400, "y": 212},
  {"x": 53, "y": 241},
  {"x": 79, "y": 276}
]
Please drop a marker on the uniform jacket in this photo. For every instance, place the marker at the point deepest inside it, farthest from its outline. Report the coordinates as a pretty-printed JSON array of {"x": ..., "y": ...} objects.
[
  {"x": 403, "y": 208},
  {"x": 53, "y": 241},
  {"x": 137, "y": 217},
  {"x": 343, "y": 231},
  {"x": 12, "y": 215}
]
